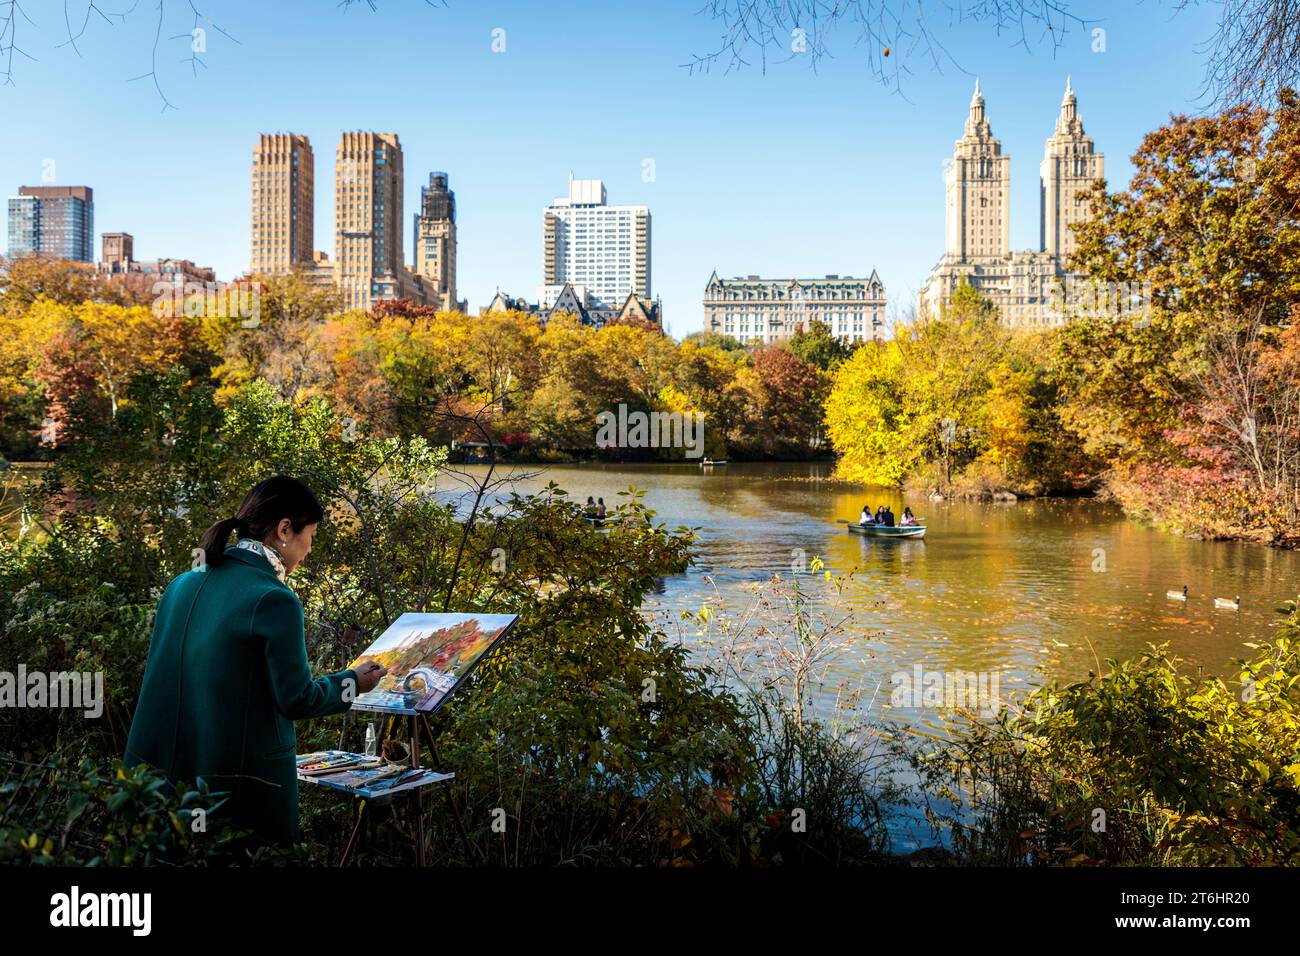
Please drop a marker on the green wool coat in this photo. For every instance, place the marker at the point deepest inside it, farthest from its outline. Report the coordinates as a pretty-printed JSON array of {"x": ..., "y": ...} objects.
[{"x": 226, "y": 677}]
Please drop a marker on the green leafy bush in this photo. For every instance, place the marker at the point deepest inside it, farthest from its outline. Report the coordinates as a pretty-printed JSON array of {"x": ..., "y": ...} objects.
[
  {"x": 1152, "y": 764},
  {"x": 58, "y": 813},
  {"x": 555, "y": 730}
]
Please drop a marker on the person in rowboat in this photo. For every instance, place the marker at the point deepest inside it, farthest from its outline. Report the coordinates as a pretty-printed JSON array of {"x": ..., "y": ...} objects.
[
  {"x": 600, "y": 507},
  {"x": 909, "y": 519},
  {"x": 889, "y": 517},
  {"x": 865, "y": 518},
  {"x": 590, "y": 509}
]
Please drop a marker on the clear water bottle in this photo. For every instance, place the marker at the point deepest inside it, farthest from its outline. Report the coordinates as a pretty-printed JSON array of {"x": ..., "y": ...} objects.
[{"x": 372, "y": 741}]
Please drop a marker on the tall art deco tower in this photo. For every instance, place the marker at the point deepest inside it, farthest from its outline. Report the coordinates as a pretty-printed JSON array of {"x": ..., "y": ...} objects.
[
  {"x": 435, "y": 240},
  {"x": 283, "y": 194},
  {"x": 368, "y": 216},
  {"x": 978, "y": 190},
  {"x": 1070, "y": 165}
]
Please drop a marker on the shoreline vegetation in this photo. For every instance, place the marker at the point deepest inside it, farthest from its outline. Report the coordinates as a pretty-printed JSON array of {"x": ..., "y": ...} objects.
[
  {"x": 649, "y": 754},
  {"x": 600, "y": 736}
]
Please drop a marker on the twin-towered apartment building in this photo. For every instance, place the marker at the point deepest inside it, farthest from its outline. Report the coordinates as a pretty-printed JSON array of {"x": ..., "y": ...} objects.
[
  {"x": 368, "y": 264},
  {"x": 1026, "y": 287}
]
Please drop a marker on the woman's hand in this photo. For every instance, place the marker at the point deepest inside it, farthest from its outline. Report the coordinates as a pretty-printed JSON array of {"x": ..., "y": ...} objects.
[{"x": 369, "y": 674}]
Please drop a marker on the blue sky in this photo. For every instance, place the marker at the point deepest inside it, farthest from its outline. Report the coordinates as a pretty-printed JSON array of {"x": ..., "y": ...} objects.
[{"x": 785, "y": 172}]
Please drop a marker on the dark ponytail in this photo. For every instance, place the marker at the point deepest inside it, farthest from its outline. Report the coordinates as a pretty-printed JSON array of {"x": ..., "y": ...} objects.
[
  {"x": 215, "y": 539},
  {"x": 264, "y": 507}
]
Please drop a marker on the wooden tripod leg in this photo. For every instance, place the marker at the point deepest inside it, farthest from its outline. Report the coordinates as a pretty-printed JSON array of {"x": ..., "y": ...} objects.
[
  {"x": 343, "y": 731},
  {"x": 419, "y": 794},
  {"x": 356, "y": 828},
  {"x": 470, "y": 855}
]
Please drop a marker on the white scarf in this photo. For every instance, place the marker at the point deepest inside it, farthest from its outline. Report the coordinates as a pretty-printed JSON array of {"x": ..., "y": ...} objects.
[{"x": 272, "y": 556}]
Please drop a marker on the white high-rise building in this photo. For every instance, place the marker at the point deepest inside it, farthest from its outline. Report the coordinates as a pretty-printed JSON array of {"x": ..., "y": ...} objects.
[{"x": 589, "y": 243}]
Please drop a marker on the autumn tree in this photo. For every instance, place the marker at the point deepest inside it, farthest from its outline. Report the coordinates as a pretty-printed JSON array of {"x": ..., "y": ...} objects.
[
  {"x": 706, "y": 372},
  {"x": 279, "y": 341},
  {"x": 1210, "y": 224},
  {"x": 94, "y": 351},
  {"x": 946, "y": 362},
  {"x": 577, "y": 383},
  {"x": 71, "y": 397},
  {"x": 26, "y": 279},
  {"x": 818, "y": 347},
  {"x": 868, "y": 419},
  {"x": 1022, "y": 424},
  {"x": 783, "y": 417},
  {"x": 394, "y": 371},
  {"x": 957, "y": 400},
  {"x": 1240, "y": 435},
  {"x": 1210, "y": 221},
  {"x": 725, "y": 343},
  {"x": 123, "y": 342}
]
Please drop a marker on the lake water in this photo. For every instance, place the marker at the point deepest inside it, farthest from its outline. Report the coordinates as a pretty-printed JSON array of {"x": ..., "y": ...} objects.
[{"x": 1024, "y": 590}]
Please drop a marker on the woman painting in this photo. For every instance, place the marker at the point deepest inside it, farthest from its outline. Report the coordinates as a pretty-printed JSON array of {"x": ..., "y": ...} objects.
[{"x": 227, "y": 671}]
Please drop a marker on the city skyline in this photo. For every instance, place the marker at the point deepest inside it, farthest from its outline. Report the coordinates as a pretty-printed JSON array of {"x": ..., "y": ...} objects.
[{"x": 854, "y": 182}]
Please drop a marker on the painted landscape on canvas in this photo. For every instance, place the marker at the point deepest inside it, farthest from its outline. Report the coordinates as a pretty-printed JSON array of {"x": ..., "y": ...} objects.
[{"x": 426, "y": 656}]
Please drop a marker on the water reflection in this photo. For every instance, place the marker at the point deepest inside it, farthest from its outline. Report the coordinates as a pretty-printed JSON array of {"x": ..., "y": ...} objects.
[{"x": 1029, "y": 588}]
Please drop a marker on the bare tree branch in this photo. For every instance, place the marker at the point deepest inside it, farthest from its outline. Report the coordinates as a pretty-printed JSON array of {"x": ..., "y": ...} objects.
[
  {"x": 199, "y": 19},
  {"x": 11, "y": 11},
  {"x": 153, "y": 73},
  {"x": 91, "y": 7},
  {"x": 891, "y": 31},
  {"x": 1254, "y": 53},
  {"x": 374, "y": 4}
]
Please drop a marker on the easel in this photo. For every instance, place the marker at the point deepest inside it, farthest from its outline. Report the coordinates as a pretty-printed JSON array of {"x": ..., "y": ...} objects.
[{"x": 414, "y": 721}]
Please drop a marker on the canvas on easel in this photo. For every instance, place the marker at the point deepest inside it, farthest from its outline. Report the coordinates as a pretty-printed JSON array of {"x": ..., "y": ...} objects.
[{"x": 427, "y": 657}]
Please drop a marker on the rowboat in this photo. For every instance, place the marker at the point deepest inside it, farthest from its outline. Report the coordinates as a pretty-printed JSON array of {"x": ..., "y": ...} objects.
[{"x": 884, "y": 531}]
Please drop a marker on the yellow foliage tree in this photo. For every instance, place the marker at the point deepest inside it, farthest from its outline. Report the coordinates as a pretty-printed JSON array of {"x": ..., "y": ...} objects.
[
  {"x": 867, "y": 419},
  {"x": 1007, "y": 415},
  {"x": 127, "y": 341}
]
